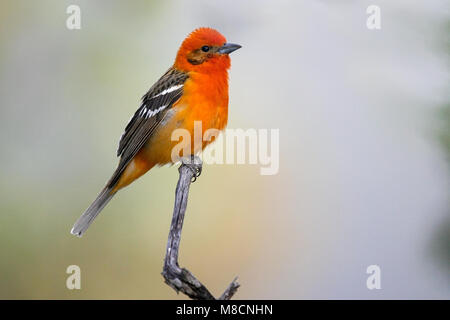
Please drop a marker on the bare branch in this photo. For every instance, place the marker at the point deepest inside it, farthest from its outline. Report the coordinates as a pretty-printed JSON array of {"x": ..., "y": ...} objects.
[{"x": 181, "y": 279}]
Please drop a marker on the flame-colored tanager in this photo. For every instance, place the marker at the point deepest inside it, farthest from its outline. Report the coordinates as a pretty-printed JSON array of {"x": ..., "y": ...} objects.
[{"x": 195, "y": 88}]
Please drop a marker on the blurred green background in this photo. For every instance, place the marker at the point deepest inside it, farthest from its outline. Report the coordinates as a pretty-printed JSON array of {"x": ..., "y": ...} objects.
[{"x": 363, "y": 172}]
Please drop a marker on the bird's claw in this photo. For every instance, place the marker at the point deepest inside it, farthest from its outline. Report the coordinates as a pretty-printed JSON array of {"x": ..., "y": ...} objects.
[
  {"x": 197, "y": 173},
  {"x": 194, "y": 166},
  {"x": 196, "y": 170}
]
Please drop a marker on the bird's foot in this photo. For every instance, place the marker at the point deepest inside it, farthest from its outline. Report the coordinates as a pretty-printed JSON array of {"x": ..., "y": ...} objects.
[{"x": 194, "y": 163}]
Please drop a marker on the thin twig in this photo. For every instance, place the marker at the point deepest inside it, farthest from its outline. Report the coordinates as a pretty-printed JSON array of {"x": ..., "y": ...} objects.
[{"x": 181, "y": 279}]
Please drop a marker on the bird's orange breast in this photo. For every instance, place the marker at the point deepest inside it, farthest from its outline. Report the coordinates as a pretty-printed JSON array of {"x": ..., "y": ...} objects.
[{"x": 204, "y": 99}]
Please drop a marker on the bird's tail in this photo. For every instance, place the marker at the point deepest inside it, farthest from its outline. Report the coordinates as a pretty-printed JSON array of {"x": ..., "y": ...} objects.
[
  {"x": 92, "y": 212},
  {"x": 122, "y": 177}
]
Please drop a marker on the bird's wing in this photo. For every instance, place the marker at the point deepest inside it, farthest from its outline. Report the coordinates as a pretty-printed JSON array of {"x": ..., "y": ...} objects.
[{"x": 155, "y": 103}]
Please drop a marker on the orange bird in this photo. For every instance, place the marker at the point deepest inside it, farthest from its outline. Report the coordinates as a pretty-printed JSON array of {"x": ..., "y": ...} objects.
[{"x": 195, "y": 88}]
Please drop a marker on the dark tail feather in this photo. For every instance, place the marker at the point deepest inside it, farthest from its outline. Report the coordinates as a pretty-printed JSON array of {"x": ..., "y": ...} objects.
[{"x": 94, "y": 209}]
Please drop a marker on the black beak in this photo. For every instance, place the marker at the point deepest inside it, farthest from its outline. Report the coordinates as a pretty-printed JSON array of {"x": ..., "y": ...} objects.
[{"x": 228, "y": 48}]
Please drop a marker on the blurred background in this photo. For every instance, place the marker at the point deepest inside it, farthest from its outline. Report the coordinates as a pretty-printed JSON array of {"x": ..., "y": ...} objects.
[{"x": 364, "y": 150}]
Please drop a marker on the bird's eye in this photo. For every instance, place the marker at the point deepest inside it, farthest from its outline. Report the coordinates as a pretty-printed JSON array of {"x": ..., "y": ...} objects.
[{"x": 205, "y": 48}]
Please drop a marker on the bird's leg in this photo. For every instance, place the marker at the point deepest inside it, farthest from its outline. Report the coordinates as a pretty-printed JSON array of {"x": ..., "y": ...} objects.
[{"x": 194, "y": 163}]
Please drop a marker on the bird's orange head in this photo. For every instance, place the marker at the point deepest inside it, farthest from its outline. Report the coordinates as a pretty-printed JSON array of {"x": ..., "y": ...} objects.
[{"x": 205, "y": 50}]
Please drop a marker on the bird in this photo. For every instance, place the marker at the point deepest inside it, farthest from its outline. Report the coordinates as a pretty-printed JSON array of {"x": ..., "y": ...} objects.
[{"x": 195, "y": 88}]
